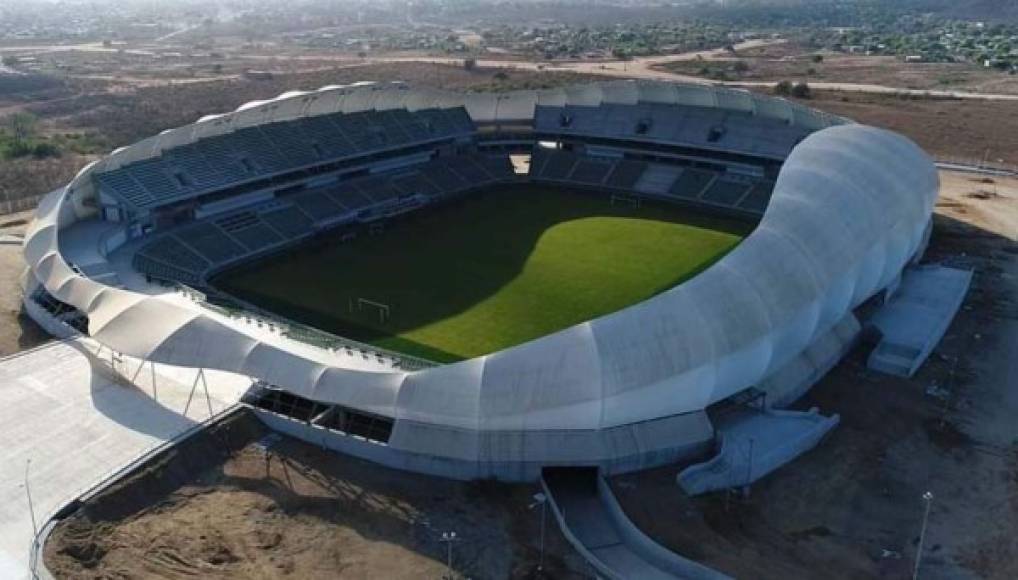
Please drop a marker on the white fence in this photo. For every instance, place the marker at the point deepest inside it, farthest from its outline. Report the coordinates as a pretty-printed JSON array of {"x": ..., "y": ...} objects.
[{"x": 8, "y": 206}]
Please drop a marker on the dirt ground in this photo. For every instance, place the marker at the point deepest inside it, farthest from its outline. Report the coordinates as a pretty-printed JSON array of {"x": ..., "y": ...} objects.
[
  {"x": 275, "y": 507},
  {"x": 852, "y": 506},
  {"x": 17, "y": 331},
  {"x": 793, "y": 62},
  {"x": 972, "y": 131}
]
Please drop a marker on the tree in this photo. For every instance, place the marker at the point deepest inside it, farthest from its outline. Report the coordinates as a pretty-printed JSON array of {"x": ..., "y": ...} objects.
[
  {"x": 818, "y": 58},
  {"x": 10, "y": 60},
  {"x": 469, "y": 64},
  {"x": 740, "y": 66},
  {"x": 801, "y": 91},
  {"x": 21, "y": 126},
  {"x": 783, "y": 88}
]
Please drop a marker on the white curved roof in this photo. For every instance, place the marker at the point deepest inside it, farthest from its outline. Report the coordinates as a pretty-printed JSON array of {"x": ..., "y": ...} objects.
[{"x": 848, "y": 211}]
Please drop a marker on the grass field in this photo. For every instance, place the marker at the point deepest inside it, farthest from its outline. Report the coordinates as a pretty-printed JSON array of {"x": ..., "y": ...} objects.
[{"x": 488, "y": 272}]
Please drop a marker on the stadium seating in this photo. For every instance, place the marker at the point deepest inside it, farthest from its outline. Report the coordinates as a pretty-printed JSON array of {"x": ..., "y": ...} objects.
[
  {"x": 210, "y": 241},
  {"x": 125, "y": 186},
  {"x": 726, "y": 192},
  {"x": 445, "y": 179},
  {"x": 497, "y": 166},
  {"x": 757, "y": 198},
  {"x": 625, "y": 174},
  {"x": 558, "y": 166},
  {"x": 349, "y": 196},
  {"x": 167, "y": 258},
  {"x": 702, "y": 127},
  {"x": 377, "y": 188},
  {"x": 318, "y": 205},
  {"x": 288, "y": 220},
  {"x": 248, "y": 229},
  {"x": 691, "y": 183},
  {"x": 201, "y": 246},
  {"x": 253, "y": 152},
  {"x": 591, "y": 172}
]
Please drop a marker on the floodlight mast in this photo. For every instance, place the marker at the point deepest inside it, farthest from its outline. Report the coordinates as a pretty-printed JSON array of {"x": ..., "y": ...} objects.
[
  {"x": 541, "y": 500},
  {"x": 928, "y": 498}
]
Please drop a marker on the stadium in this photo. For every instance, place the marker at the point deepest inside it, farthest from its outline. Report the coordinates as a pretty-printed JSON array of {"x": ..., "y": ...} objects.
[{"x": 485, "y": 285}]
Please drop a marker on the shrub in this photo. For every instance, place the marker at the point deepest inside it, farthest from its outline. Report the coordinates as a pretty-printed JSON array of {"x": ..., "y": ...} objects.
[
  {"x": 801, "y": 91},
  {"x": 44, "y": 150},
  {"x": 783, "y": 88}
]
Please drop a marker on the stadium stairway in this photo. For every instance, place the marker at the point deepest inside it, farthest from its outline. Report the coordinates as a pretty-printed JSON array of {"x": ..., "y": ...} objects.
[
  {"x": 916, "y": 317},
  {"x": 752, "y": 444},
  {"x": 592, "y": 520}
]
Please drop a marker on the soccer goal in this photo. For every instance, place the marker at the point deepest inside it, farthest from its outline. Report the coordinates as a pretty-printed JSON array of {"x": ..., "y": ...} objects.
[{"x": 362, "y": 304}]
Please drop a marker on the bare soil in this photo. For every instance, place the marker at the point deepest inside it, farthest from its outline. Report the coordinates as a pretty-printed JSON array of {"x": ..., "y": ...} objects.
[
  {"x": 239, "y": 502},
  {"x": 967, "y": 130},
  {"x": 852, "y": 506}
]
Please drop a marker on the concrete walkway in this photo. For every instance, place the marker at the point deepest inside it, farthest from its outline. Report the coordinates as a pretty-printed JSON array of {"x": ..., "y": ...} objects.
[
  {"x": 753, "y": 444},
  {"x": 916, "y": 317},
  {"x": 593, "y": 521},
  {"x": 77, "y": 420}
]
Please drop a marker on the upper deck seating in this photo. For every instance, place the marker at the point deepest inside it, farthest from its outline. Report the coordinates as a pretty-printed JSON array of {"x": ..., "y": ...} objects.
[
  {"x": 684, "y": 125},
  {"x": 261, "y": 151},
  {"x": 125, "y": 186}
]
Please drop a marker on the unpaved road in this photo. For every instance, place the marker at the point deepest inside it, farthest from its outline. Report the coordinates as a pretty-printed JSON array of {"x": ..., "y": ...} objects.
[{"x": 637, "y": 68}]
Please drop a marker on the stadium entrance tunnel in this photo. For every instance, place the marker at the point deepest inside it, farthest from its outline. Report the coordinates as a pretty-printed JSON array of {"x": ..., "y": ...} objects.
[{"x": 485, "y": 271}]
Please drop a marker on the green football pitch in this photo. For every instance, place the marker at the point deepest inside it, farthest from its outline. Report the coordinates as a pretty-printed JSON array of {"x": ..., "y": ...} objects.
[{"x": 487, "y": 272}]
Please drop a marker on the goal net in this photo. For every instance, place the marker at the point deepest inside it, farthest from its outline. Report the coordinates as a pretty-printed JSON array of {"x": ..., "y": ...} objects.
[{"x": 363, "y": 305}]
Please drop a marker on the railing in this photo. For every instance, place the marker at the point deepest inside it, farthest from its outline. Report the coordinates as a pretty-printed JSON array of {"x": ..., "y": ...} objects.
[
  {"x": 8, "y": 206},
  {"x": 300, "y": 332},
  {"x": 983, "y": 163}
]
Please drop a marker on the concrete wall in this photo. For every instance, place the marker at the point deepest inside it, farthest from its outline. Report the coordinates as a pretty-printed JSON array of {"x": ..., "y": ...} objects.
[{"x": 646, "y": 547}]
